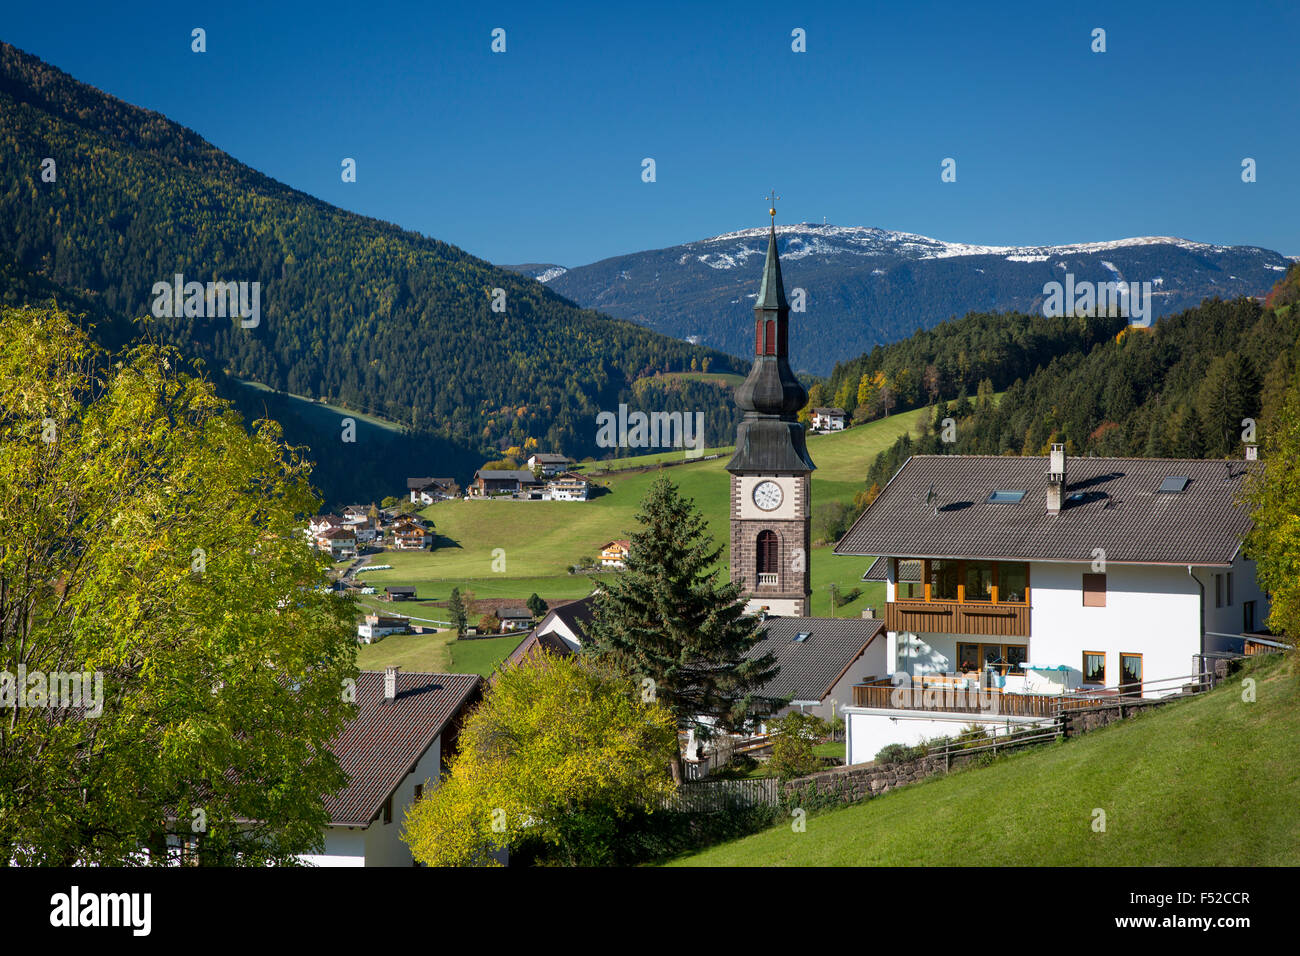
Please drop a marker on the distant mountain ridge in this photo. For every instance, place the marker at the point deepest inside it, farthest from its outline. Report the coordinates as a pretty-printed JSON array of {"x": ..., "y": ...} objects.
[{"x": 867, "y": 286}]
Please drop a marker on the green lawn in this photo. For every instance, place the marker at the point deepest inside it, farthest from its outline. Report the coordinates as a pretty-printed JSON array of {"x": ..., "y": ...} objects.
[
  {"x": 1212, "y": 781},
  {"x": 438, "y": 653},
  {"x": 539, "y": 540}
]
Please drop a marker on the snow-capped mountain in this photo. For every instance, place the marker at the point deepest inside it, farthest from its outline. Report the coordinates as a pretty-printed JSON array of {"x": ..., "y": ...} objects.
[{"x": 866, "y": 286}]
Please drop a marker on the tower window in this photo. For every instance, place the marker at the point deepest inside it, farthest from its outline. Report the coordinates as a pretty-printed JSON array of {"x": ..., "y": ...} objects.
[
  {"x": 769, "y": 338},
  {"x": 767, "y": 557}
]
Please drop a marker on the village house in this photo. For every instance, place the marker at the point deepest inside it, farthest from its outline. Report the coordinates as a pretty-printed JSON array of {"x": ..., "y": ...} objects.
[
  {"x": 514, "y": 618},
  {"x": 1013, "y": 584},
  {"x": 394, "y": 752},
  {"x": 828, "y": 419},
  {"x": 821, "y": 659},
  {"x": 338, "y": 543},
  {"x": 613, "y": 554},
  {"x": 425, "y": 491},
  {"x": 411, "y": 536},
  {"x": 549, "y": 464},
  {"x": 378, "y": 626},
  {"x": 490, "y": 483},
  {"x": 320, "y": 524},
  {"x": 561, "y": 630},
  {"x": 395, "y": 592},
  {"x": 567, "y": 487}
]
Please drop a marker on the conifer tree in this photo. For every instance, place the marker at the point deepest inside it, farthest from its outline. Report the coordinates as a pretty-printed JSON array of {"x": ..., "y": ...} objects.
[
  {"x": 456, "y": 609},
  {"x": 669, "y": 618}
]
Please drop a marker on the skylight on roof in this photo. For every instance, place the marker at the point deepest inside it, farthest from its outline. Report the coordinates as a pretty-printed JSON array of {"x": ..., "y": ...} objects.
[
  {"x": 802, "y": 636},
  {"x": 1007, "y": 497},
  {"x": 1173, "y": 485}
]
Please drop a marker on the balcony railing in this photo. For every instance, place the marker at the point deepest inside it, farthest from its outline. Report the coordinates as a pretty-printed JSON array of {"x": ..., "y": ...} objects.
[
  {"x": 767, "y": 579},
  {"x": 950, "y": 617}
]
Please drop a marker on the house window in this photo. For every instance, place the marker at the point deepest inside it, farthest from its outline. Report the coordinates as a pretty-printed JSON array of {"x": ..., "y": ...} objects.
[
  {"x": 909, "y": 585},
  {"x": 1094, "y": 590},
  {"x": 388, "y": 809},
  {"x": 1130, "y": 669},
  {"x": 979, "y": 581},
  {"x": 1094, "y": 667},
  {"x": 767, "y": 555},
  {"x": 1248, "y": 616},
  {"x": 943, "y": 580},
  {"x": 968, "y": 658},
  {"x": 1229, "y": 589},
  {"x": 419, "y": 792},
  {"x": 1218, "y": 590},
  {"x": 1016, "y": 655},
  {"x": 1013, "y": 582}
]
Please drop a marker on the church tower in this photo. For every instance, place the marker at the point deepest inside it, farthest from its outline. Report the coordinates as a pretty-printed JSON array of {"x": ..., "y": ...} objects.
[{"x": 771, "y": 493}]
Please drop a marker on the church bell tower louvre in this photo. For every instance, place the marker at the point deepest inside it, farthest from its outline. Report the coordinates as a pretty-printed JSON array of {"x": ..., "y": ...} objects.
[{"x": 771, "y": 506}]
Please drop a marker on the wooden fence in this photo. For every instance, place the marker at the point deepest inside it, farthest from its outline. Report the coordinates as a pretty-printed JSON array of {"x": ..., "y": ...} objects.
[{"x": 711, "y": 796}]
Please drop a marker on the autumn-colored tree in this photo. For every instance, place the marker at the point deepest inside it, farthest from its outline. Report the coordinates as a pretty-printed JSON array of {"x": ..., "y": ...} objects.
[
  {"x": 1273, "y": 492},
  {"x": 793, "y": 736},
  {"x": 149, "y": 538},
  {"x": 559, "y": 751}
]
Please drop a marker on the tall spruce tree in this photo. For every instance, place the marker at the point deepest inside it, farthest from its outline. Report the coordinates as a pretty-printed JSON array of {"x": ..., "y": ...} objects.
[
  {"x": 669, "y": 618},
  {"x": 456, "y": 611}
]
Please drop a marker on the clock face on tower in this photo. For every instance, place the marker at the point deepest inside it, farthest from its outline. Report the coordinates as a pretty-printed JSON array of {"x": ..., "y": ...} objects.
[{"x": 768, "y": 495}]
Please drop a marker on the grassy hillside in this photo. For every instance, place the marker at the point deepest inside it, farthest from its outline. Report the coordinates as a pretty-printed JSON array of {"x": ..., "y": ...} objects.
[
  {"x": 542, "y": 539},
  {"x": 1211, "y": 781}
]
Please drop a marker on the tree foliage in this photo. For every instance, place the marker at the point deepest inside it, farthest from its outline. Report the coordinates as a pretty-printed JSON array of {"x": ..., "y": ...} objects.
[
  {"x": 147, "y": 535},
  {"x": 558, "y": 752}
]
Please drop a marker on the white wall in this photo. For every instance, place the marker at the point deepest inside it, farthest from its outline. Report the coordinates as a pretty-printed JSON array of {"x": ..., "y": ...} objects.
[
  {"x": 1152, "y": 611},
  {"x": 1228, "y": 618},
  {"x": 869, "y": 733},
  {"x": 380, "y": 844}
]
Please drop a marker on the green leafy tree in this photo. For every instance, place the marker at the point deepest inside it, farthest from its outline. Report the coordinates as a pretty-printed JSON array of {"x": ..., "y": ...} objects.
[
  {"x": 149, "y": 538},
  {"x": 794, "y": 735},
  {"x": 537, "y": 605},
  {"x": 558, "y": 752},
  {"x": 670, "y": 619},
  {"x": 1273, "y": 493}
]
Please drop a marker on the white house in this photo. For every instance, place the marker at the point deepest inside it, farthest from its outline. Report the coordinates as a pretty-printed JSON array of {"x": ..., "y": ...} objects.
[
  {"x": 428, "y": 490},
  {"x": 393, "y": 753},
  {"x": 566, "y": 487},
  {"x": 378, "y": 626},
  {"x": 1012, "y": 586},
  {"x": 828, "y": 419},
  {"x": 549, "y": 464}
]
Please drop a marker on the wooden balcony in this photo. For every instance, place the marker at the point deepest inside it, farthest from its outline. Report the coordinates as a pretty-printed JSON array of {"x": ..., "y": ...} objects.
[
  {"x": 950, "y": 617},
  {"x": 952, "y": 699}
]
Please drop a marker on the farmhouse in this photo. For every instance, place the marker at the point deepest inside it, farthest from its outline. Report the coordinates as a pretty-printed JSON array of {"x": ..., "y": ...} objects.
[
  {"x": 567, "y": 487},
  {"x": 399, "y": 593},
  {"x": 514, "y": 618},
  {"x": 378, "y": 626},
  {"x": 549, "y": 464},
  {"x": 394, "y": 752},
  {"x": 828, "y": 419},
  {"x": 410, "y": 536},
  {"x": 428, "y": 490},
  {"x": 613, "y": 554},
  {"x": 338, "y": 542},
  {"x": 561, "y": 631},
  {"x": 1012, "y": 582},
  {"x": 490, "y": 482}
]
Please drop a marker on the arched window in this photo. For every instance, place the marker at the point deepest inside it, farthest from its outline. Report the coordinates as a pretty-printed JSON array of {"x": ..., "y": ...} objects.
[{"x": 767, "y": 557}]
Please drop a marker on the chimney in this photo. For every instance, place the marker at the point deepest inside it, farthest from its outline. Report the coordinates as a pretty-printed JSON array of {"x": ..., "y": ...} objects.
[
  {"x": 869, "y": 613},
  {"x": 390, "y": 682},
  {"x": 1252, "y": 453},
  {"x": 1056, "y": 480}
]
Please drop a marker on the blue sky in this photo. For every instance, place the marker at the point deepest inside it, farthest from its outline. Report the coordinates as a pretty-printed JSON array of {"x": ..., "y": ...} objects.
[{"x": 534, "y": 155}]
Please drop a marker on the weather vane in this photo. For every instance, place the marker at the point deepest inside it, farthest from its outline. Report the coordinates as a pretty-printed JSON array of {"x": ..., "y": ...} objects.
[{"x": 771, "y": 198}]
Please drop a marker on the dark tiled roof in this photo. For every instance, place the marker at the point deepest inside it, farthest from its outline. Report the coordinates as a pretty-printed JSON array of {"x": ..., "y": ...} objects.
[
  {"x": 829, "y": 411},
  {"x": 576, "y": 614},
  {"x": 387, "y": 738},
  {"x": 419, "y": 484},
  {"x": 550, "y": 642},
  {"x": 1115, "y": 507},
  {"x": 513, "y": 613},
  {"x": 501, "y": 474},
  {"x": 879, "y": 571},
  {"x": 810, "y": 668}
]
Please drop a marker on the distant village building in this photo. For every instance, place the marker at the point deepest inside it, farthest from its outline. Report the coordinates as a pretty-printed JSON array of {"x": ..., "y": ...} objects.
[
  {"x": 399, "y": 593},
  {"x": 490, "y": 482},
  {"x": 338, "y": 542},
  {"x": 515, "y": 618},
  {"x": 428, "y": 490},
  {"x": 567, "y": 487},
  {"x": 614, "y": 554},
  {"x": 410, "y": 536},
  {"x": 549, "y": 464},
  {"x": 378, "y": 626},
  {"x": 828, "y": 419}
]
